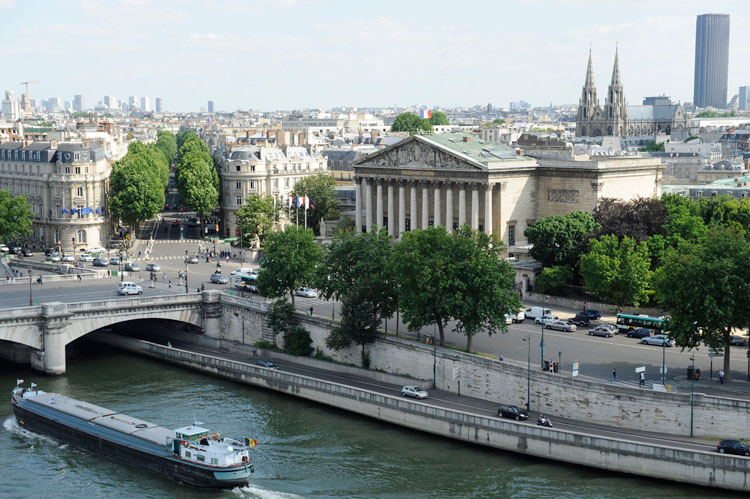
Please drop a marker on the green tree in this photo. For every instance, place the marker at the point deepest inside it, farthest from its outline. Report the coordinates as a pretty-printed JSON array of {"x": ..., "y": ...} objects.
[
  {"x": 281, "y": 317},
  {"x": 638, "y": 218},
  {"x": 79, "y": 114},
  {"x": 559, "y": 239},
  {"x": 289, "y": 261},
  {"x": 410, "y": 122},
  {"x": 15, "y": 217},
  {"x": 652, "y": 146},
  {"x": 499, "y": 121},
  {"x": 683, "y": 221},
  {"x": 196, "y": 178},
  {"x": 321, "y": 190},
  {"x": 136, "y": 193},
  {"x": 705, "y": 287},
  {"x": 256, "y": 216},
  {"x": 439, "y": 119},
  {"x": 166, "y": 143},
  {"x": 617, "y": 271},
  {"x": 297, "y": 341},
  {"x": 359, "y": 321},
  {"x": 553, "y": 279}
]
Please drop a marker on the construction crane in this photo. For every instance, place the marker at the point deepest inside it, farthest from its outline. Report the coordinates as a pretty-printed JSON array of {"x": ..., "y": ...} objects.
[{"x": 26, "y": 100}]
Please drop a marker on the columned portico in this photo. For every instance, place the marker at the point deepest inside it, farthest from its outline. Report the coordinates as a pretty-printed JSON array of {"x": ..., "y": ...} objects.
[
  {"x": 401, "y": 209},
  {"x": 425, "y": 206},
  {"x": 461, "y": 204},
  {"x": 367, "y": 183},
  {"x": 358, "y": 204},
  {"x": 437, "y": 207},
  {"x": 413, "y": 206},
  {"x": 474, "y": 207},
  {"x": 449, "y": 207},
  {"x": 391, "y": 212},
  {"x": 379, "y": 189},
  {"x": 488, "y": 209}
]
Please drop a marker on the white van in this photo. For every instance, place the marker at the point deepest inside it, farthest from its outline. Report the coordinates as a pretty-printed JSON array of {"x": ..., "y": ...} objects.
[
  {"x": 534, "y": 312},
  {"x": 519, "y": 317},
  {"x": 129, "y": 288}
]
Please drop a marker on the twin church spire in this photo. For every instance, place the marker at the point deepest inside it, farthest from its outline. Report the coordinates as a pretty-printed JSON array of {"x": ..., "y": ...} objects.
[{"x": 593, "y": 120}]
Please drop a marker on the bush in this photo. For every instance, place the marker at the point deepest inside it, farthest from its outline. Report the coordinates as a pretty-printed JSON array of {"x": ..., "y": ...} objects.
[
  {"x": 297, "y": 341},
  {"x": 553, "y": 279}
]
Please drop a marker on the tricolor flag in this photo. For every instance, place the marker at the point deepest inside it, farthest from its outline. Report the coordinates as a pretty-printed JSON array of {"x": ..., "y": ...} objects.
[
  {"x": 307, "y": 202},
  {"x": 300, "y": 201},
  {"x": 425, "y": 114},
  {"x": 251, "y": 442},
  {"x": 290, "y": 200}
]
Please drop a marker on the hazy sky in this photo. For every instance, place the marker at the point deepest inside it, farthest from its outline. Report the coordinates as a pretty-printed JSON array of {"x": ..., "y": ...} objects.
[{"x": 286, "y": 54}]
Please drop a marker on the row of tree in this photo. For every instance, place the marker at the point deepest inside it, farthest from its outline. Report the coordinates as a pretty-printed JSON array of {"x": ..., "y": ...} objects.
[
  {"x": 688, "y": 257},
  {"x": 15, "y": 217},
  {"x": 410, "y": 122},
  {"x": 196, "y": 177},
  {"x": 139, "y": 180},
  {"x": 430, "y": 276}
]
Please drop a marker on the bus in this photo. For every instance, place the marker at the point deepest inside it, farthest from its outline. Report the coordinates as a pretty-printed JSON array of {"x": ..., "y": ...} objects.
[
  {"x": 247, "y": 282},
  {"x": 631, "y": 321}
]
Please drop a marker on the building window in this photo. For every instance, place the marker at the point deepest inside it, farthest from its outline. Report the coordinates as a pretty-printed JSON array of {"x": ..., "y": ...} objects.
[
  {"x": 67, "y": 169},
  {"x": 187, "y": 453},
  {"x": 80, "y": 191},
  {"x": 239, "y": 201},
  {"x": 252, "y": 168},
  {"x": 238, "y": 167},
  {"x": 252, "y": 184},
  {"x": 511, "y": 235},
  {"x": 81, "y": 236},
  {"x": 275, "y": 183},
  {"x": 78, "y": 170},
  {"x": 238, "y": 185}
]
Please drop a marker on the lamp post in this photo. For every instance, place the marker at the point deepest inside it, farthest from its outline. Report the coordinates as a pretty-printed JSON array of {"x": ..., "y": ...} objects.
[
  {"x": 663, "y": 361},
  {"x": 692, "y": 392},
  {"x": 434, "y": 362},
  {"x": 31, "y": 301},
  {"x": 186, "y": 271},
  {"x": 528, "y": 374},
  {"x": 541, "y": 343}
]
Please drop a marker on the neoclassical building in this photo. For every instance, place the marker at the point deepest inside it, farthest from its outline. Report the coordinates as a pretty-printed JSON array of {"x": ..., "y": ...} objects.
[
  {"x": 66, "y": 185},
  {"x": 457, "y": 179}
]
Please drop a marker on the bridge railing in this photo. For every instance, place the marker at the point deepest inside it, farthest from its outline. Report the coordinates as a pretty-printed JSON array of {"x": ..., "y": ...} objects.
[
  {"x": 243, "y": 302},
  {"x": 7, "y": 313},
  {"x": 130, "y": 302}
]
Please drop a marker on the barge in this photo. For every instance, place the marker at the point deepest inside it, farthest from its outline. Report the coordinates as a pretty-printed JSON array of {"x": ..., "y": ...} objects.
[{"x": 191, "y": 455}]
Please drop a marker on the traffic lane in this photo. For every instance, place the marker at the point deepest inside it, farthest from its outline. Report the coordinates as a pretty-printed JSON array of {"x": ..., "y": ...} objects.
[
  {"x": 476, "y": 406},
  {"x": 18, "y": 294}
]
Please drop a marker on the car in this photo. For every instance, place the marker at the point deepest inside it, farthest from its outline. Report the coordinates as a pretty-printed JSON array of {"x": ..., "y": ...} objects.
[
  {"x": 266, "y": 363},
  {"x": 153, "y": 267},
  {"x": 593, "y": 315},
  {"x": 612, "y": 327},
  {"x": 561, "y": 326},
  {"x": 517, "y": 318},
  {"x": 129, "y": 288},
  {"x": 580, "y": 319},
  {"x": 132, "y": 267},
  {"x": 509, "y": 318},
  {"x": 191, "y": 259},
  {"x": 601, "y": 331},
  {"x": 55, "y": 257},
  {"x": 536, "y": 312},
  {"x": 175, "y": 222},
  {"x": 219, "y": 279},
  {"x": 545, "y": 319},
  {"x": 639, "y": 332},
  {"x": 306, "y": 292},
  {"x": 4, "y": 248},
  {"x": 658, "y": 339},
  {"x": 27, "y": 252},
  {"x": 86, "y": 257},
  {"x": 97, "y": 249},
  {"x": 101, "y": 262},
  {"x": 115, "y": 260},
  {"x": 737, "y": 341},
  {"x": 68, "y": 259},
  {"x": 16, "y": 250},
  {"x": 740, "y": 447},
  {"x": 243, "y": 271},
  {"x": 413, "y": 391},
  {"x": 513, "y": 412}
]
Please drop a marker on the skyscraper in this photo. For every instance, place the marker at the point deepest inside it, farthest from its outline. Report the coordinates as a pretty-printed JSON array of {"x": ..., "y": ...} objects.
[
  {"x": 744, "y": 102},
  {"x": 711, "y": 60},
  {"x": 78, "y": 104},
  {"x": 159, "y": 105},
  {"x": 145, "y": 104},
  {"x": 210, "y": 106},
  {"x": 110, "y": 101}
]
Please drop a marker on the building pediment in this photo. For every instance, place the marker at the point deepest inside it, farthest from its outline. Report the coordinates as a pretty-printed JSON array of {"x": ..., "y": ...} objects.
[{"x": 420, "y": 152}]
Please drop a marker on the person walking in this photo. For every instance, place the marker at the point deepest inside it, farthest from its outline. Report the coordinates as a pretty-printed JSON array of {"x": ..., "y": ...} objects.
[
  {"x": 643, "y": 379},
  {"x": 614, "y": 375},
  {"x": 721, "y": 376}
]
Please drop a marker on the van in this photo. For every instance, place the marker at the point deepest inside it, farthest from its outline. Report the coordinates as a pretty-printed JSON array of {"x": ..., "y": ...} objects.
[
  {"x": 129, "y": 288},
  {"x": 535, "y": 312}
]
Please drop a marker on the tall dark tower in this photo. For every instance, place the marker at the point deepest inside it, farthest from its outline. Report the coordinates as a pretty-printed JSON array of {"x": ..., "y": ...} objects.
[
  {"x": 711, "y": 60},
  {"x": 588, "y": 103},
  {"x": 615, "y": 107}
]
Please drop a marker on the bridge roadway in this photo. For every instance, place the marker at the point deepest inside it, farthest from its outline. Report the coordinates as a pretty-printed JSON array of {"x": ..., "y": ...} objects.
[{"x": 471, "y": 405}]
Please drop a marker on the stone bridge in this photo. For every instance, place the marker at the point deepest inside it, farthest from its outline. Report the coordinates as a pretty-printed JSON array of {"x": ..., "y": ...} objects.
[{"x": 47, "y": 328}]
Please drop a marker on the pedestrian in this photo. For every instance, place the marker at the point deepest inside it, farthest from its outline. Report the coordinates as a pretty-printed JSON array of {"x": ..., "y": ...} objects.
[
  {"x": 79, "y": 277},
  {"x": 643, "y": 379},
  {"x": 203, "y": 287},
  {"x": 109, "y": 274},
  {"x": 310, "y": 311},
  {"x": 721, "y": 376},
  {"x": 500, "y": 357},
  {"x": 164, "y": 276},
  {"x": 170, "y": 283},
  {"x": 614, "y": 375},
  {"x": 40, "y": 280},
  {"x": 139, "y": 255}
]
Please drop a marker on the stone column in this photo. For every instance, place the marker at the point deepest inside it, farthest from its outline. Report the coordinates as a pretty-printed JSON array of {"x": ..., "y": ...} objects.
[
  {"x": 425, "y": 205},
  {"x": 461, "y": 204},
  {"x": 379, "y": 194},
  {"x": 367, "y": 183},
  {"x": 474, "y": 206},
  {"x": 488, "y": 209},
  {"x": 449, "y": 207},
  {"x": 358, "y": 204},
  {"x": 211, "y": 313},
  {"x": 391, "y": 212},
  {"x": 55, "y": 318},
  {"x": 401, "y": 209},
  {"x": 413, "y": 206},
  {"x": 437, "y": 207}
]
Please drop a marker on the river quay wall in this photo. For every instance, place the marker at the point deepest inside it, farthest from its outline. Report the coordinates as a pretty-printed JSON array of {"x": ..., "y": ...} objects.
[{"x": 656, "y": 461}]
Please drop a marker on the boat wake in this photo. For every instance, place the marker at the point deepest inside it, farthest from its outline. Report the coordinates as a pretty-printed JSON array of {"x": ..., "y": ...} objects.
[
  {"x": 12, "y": 426},
  {"x": 253, "y": 490}
]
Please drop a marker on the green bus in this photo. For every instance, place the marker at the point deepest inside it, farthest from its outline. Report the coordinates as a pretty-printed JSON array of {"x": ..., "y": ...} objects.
[
  {"x": 248, "y": 282},
  {"x": 631, "y": 321}
]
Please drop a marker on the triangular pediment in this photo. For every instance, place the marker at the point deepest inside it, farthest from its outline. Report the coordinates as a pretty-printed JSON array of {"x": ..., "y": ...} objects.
[{"x": 420, "y": 152}]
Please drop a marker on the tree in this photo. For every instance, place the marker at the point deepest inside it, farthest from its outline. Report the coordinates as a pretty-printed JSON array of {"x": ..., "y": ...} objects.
[
  {"x": 559, "y": 239},
  {"x": 499, "y": 121},
  {"x": 683, "y": 222},
  {"x": 289, "y": 262},
  {"x": 321, "y": 190},
  {"x": 553, "y": 279},
  {"x": 359, "y": 321},
  {"x": 166, "y": 143},
  {"x": 15, "y": 217},
  {"x": 281, "y": 317},
  {"x": 705, "y": 287},
  {"x": 652, "y": 146},
  {"x": 639, "y": 218},
  {"x": 136, "y": 193},
  {"x": 196, "y": 178},
  {"x": 439, "y": 119},
  {"x": 409, "y": 122},
  {"x": 256, "y": 216},
  {"x": 617, "y": 271},
  {"x": 724, "y": 210}
]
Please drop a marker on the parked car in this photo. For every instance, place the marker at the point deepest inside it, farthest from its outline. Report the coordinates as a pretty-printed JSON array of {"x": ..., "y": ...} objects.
[
  {"x": 153, "y": 267},
  {"x": 68, "y": 259},
  {"x": 659, "y": 339},
  {"x": 266, "y": 363},
  {"x": 97, "y": 249},
  {"x": 55, "y": 257},
  {"x": 4, "y": 249},
  {"x": 132, "y": 267},
  {"x": 737, "y": 341},
  {"x": 513, "y": 412},
  {"x": 509, "y": 319},
  {"x": 561, "y": 326},
  {"x": 518, "y": 318},
  {"x": 115, "y": 260},
  {"x": 101, "y": 262},
  {"x": 740, "y": 447},
  {"x": 413, "y": 391},
  {"x": 86, "y": 257},
  {"x": 536, "y": 312},
  {"x": 219, "y": 279},
  {"x": 129, "y": 288},
  {"x": 601, "y": 331},
  {"x": 242, "y": 270},
  {"x": 306, "y": 292},
  {"x": 27, "y": 252},
  {"x": 191, "y": 259},
  {"x": 546, "y": 319},
  {"x": 639, "y": 332},
  {"x": 593, "y": 315},
  {"x": 580, "y": 319}
]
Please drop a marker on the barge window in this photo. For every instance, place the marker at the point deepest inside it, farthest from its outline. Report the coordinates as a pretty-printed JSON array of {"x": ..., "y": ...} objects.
[
  {"x": 187, "y": 453},
  {"x": 201, "y": 458},
  {"x": 214, "y": 460}
]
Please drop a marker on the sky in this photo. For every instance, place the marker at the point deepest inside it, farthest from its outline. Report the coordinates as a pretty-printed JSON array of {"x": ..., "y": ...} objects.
[{"x": 294, "y": 54}]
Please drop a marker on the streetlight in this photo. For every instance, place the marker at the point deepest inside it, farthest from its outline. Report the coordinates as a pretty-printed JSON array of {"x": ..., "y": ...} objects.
[
  {"x": 187, "y": 259},
  {"x": 31, "y": 302},
  {"x": 663, "y": 360},
  {"x": 692, "y": 392},
  {"x": 541, "y": 343},
  {"x": 434, "y": 362},
  {"x": 528, "y": 374}
]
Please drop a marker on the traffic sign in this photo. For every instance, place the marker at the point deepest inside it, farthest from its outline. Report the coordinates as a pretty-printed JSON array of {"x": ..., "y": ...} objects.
[
  {"x": 663, "y": 370},
  {"x": 456, "y": 373},
  {"x": 575, "y": 368},
  {"x": 715, "y": 353}
]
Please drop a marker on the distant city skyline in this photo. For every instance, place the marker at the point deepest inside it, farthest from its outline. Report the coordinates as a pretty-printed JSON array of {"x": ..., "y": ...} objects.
[{"x": 329, "y": 53}]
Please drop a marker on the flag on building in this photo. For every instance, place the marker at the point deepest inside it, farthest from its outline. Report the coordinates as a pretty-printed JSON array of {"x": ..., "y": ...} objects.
[
  {"x": 425, "y": 114},
  {"x": 307, "y": 202},
  {"x": 300, "y": 201}
]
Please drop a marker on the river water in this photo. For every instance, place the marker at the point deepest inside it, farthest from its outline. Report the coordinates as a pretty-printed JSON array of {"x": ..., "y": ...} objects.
[{"x": 304, "y": 449}]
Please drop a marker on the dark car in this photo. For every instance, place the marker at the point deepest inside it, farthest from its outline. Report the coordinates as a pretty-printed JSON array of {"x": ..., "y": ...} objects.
[
  {"x": 737, "y": 341},
  {"x": 513, "y": 412},
  {"x": 266, "y": 363},
  {"x": 580, "y": 319},
  {"x": 27, "y": 252},
  {"x": 132, "y": 267},
  {"x": 639, "y": 332},
  {"x": 101, "y": 262},
  {"x": 740, "y": 447},
  {"x": 593, "y": 315}
]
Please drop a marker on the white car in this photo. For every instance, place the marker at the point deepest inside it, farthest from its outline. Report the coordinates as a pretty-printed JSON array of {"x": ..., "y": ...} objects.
[
  {"x": 546, "y": 319},
  {"x": 306, "y": 292},
  {"x": 69, "y": 259},
  {"x": 129, "y": 288},
  {"x": 98, "y": 249},
  {"x": 4, "y": 248},
  {"x": 413, "y": 391},
  {"x": 658, "y": 339},
  {"x": 243, "y": 270},
  {"x": 86, "y": 257}
]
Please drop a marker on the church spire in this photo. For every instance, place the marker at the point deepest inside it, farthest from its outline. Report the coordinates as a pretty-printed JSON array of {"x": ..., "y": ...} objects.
[
  {"x": 589, "y": 73},
  {"x": 616, "y": 69},
  {"x": 615, "y": 107}
]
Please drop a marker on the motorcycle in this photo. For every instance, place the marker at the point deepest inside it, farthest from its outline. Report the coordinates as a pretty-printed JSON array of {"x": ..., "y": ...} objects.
[{"x": 542, "y": 421}]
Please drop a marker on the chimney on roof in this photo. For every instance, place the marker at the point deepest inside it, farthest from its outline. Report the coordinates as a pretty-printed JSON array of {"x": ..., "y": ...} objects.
[{"x": 467, "y": 138}]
